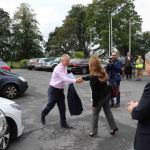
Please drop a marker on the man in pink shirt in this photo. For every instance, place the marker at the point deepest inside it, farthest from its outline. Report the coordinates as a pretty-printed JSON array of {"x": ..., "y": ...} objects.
[{"x": 56, "y": 91}]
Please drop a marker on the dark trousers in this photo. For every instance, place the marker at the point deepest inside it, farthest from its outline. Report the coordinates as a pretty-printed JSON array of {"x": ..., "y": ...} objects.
[
  {"x": 104, "y": 103},
  {"x": 56, "y": 96},
  {"x": 118, "y": 97},
  {"x": 128, "y": 72}
]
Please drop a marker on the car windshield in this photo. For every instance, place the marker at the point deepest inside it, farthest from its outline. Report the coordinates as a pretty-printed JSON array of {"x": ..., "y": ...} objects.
[
  {"x": 46, "y": 60},
  {"x": 2, "y": 63},
  {"x": 57, "y": 59}
]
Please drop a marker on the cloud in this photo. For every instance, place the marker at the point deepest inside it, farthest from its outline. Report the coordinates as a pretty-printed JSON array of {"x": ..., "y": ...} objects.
[
  {"x": 51, "y": 13},
  {"x": 143, "y": 9}
]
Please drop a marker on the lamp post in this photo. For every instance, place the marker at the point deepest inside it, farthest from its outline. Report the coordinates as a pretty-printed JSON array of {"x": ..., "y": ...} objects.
[
  {"x": 91, "y": 51},
  {"x": 110, "y": 35},
  {"x": 130, "y": 35}
]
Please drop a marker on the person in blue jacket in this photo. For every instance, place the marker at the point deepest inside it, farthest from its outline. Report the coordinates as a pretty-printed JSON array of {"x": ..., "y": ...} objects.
[
  {"x": 141, "y": 111},
  {"x": 114, "y": 70}
]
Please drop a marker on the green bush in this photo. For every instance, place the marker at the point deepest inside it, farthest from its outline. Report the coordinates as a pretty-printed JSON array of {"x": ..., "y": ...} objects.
[
  {"x": 78, "y": 54},
  {"x": 14, "y": 64},
  {"x": 23, "y": 63}
]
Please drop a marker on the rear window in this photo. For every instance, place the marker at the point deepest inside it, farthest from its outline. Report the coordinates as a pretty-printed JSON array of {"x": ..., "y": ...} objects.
[{"x": 78, "y": 61}]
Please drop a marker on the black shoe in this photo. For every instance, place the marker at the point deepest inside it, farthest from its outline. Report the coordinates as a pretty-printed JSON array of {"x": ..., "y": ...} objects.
[
  {"x": 112, "y": 105},
  {"x": 43, "y": 120},
  {"x": 117, "y": 105},
  {"x": 66, "y": 126},
  {"x": 92, "y": 134},
  {"x": 113, "y": 132}
]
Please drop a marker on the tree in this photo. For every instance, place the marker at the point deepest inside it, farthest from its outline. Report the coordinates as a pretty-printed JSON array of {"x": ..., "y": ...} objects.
[
  {"x": 27, "y": 39},
  {"x": 72, "y": 35},
  {"x": 84, "y": 26},
  {"x": 98, "y": 17},
  {"x": 5, "y": 24}
]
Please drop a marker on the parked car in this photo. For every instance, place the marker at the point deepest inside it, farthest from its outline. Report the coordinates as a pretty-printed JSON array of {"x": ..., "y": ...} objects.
[
  {"x": 46, "y": 65},
  {"x": 11, "y": 124},
  {"x": 31, "y": 63},
  {"x": 11, "y": 85},
  {"x": 52, "y": 64},
  {"x": 79, "y": 66},
  {"x": 4, "y": 65},
  {"x": 39, "y": 65}
]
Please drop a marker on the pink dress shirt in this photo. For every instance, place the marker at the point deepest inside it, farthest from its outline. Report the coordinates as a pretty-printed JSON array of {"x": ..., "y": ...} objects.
[{"x": 59, "y": 77}]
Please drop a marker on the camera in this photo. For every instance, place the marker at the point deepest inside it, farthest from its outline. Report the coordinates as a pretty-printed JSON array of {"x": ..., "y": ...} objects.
[{"x": 110, "y": 60}]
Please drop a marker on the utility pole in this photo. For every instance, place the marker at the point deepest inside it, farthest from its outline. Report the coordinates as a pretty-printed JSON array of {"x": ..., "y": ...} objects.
[
  {"x": 109, "y": 41},
  {"x": 130, "y": 35},
  {"x": 111, "y": 33},
  {"x": 110, "y": 36}
]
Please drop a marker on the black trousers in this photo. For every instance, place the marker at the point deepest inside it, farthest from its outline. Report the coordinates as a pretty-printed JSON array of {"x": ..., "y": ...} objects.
[
  {"x": 128, "y": 72},
  {"x": 56, "y": 96}
]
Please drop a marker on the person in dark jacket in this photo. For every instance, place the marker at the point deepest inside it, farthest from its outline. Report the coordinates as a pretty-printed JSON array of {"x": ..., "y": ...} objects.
[
  {"x": 100, "y": 95},
  {"x": 128, "y": 66},
  {"x": 114, "y": 70},
  {"x": 141, "y": 111}
]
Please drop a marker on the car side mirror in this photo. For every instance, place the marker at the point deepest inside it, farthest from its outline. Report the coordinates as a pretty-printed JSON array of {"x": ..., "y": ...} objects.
[{"x": 4, "y": 134}]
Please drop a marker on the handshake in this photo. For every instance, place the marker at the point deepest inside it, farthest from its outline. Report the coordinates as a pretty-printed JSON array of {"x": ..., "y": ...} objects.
[{"x": 79, "y": 80}]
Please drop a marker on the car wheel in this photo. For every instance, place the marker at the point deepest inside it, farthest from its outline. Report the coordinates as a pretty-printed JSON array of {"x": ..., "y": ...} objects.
[
  {"x": 53, "y": 67},
  {"x": 10, "y": 91},
  {"x": 84, "y": 70},
  {"x": 4, "y": 137}
]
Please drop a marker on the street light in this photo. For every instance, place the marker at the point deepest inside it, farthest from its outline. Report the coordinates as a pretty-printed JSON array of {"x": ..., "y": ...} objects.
[
  {"x": 130, "y": 35},
  {"x": 110, "y": 35}
]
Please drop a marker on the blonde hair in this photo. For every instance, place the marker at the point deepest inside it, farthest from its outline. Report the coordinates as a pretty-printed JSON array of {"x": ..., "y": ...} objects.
[{"x": 96, "y": 69}]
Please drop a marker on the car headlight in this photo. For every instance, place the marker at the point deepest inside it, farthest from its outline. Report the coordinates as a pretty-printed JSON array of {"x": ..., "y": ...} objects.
[
  {"x": 22, "y": 79},
  {"x": 15, "y": 106}
]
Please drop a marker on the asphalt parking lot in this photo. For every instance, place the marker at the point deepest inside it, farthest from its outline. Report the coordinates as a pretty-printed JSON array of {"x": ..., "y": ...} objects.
[{"x": 52, "y": 137}]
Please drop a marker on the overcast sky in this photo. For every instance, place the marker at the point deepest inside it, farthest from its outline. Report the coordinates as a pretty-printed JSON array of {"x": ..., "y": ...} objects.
[{"x": 51, "y": 13}]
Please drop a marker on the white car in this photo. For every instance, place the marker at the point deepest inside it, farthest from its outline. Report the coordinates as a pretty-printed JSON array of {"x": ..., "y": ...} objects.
[{"x": 13, "y": 115}]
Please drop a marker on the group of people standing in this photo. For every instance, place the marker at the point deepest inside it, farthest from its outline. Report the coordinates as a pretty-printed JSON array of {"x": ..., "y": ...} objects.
[
  {"x": 101, "y": 82},
  {"x": 133, "y": 67}
]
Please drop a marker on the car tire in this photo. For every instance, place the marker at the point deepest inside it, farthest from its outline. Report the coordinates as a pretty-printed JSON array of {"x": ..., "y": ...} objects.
[
  {"x": 5, "y": 139},
  {"x": 10, "y": 91},
  {"x": 29, "y": 68},
  {"x": 84, "y": 70},
  {"x": 53, "y": 67}
]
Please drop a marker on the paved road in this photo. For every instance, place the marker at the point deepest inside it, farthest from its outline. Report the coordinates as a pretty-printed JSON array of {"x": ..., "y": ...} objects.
[{"x": 52, "y": 137}]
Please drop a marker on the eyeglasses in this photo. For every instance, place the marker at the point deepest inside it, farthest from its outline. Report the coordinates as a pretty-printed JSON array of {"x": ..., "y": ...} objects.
[{"x": 114, "y": 55}]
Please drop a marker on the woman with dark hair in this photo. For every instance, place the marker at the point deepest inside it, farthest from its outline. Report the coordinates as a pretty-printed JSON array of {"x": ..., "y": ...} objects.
[{"x": 100, "y": 95}]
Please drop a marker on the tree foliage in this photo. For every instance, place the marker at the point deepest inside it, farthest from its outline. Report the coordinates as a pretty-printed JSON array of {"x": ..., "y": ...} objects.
[
  {"x": 5, "y": 35},
  {"x": 71, "y": 36},
  {"x": 85, "y": 26},
  {"x": 26, "y": 35}
]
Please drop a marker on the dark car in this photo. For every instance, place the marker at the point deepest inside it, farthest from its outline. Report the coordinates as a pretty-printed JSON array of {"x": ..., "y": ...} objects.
[
  {"x": 31, "y": 63},
  {"x": 4, "y": 66},
  {"x": 11, "y": 85},
  {"x": 79, "y": 66}
]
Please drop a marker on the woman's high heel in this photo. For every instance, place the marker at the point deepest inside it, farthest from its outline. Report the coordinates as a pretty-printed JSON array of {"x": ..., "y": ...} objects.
[{"x": 113, "y": 132}]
